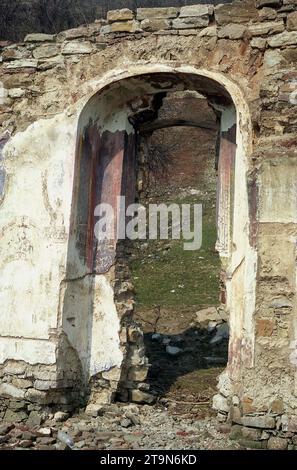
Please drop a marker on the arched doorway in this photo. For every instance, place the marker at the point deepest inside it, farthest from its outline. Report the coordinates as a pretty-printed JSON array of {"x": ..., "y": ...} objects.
[{"x": 97, "y": 312}]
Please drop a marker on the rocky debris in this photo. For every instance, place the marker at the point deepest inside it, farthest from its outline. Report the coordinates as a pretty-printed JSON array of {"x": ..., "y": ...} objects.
[
  {"x": 220, "y": 403},
  {"x": 138, "y": 396},
  {"x": 61, "y": 416},
  {"x": 120, "y": 427},
  {"x": 206, "y": 315},
  {"x": 292, "y": 21},
  {"x": 65, "y": 438},
  {"x": 222, "y": 333},
  {"x": 173, "y": 350},
  {"x": 94, "y": 409},
  {"x": 34, "y": 419}
]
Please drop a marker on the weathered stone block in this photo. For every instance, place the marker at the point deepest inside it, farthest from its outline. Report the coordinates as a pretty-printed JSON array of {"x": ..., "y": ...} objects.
[
  {"x": 209, "y": 31},
  {"x": 34, "y": 419},
  {"x": 250, "y": 444},
  {"x": 236, "y": 432},
  {"x": 292, "y": 423},
  {"x": 232, "y": 31},
  {"x": 51, "y": 62},
  {"x": 36, "y": 396},
  {"x": 262, "y": 422},
  {"x": 143, "y": 13},
  {"x": 130, "y": 26},
  {"x": 292, "y": 21},
  {"x": 15, "y": 417},
  {"x": 224, "y": 384},
  {"x": 16, "y": 405},
  {"x": 120, "y": 15},
  {"x": 102, "y": 396},
  {"x": 22, "y": 64},
  {"x": 94, "y": 410},
  {"x": 196, "y": 10},
  {"x": 220, "y": 403},
  {"x": 76, "y": 47},
  {"x": 258, "y": 43},
  {"x": 61, "y": 416},
  {"x": 45, "y": 384},
  {"x": 269, "y": 27},
  {"x": 190, "y": 22},
  {"x": 112, "y": 374},
  {"x": 267, "y": 13},
  {"x": 236, "y": 13},
  {"x": 138, "y": 374},
  {"x": 155, "y": 24},
  {"x": 204, "y": 316},
  {"x": 16, "y": 92},
  {"x": 40, "y": 37},
  {"x": 277, "y": 443},
  {"x": 21, "y": 383},
  {"x": 281, "y": 302},
  {"x": 8, "y": 390},
  {"x": 251, "y": 434},
  {"x": 46, "y": 51},
  {"x": 11, "y": 54},
  {"x": 142, "y": 397},
  {"x": 268, "y": 3},
  {"x": 81, "y": 32},
  {"x": 287, "y": 38}
]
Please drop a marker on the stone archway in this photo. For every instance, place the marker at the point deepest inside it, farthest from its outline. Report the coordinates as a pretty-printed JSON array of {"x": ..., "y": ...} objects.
[{"x": 105, "y": 169}]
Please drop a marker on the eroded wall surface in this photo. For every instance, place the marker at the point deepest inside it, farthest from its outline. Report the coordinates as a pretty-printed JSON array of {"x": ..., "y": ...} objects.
[{"x": 249, "y": 49}]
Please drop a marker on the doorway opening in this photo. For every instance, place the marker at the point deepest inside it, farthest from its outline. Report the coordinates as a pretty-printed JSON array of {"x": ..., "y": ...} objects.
[
  {"x": 179, "y": 296},
  {"x": 131, "y": 119}
]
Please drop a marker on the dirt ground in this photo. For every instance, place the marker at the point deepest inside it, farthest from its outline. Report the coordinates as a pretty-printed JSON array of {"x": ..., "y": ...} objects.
[{"x": 186, "y": 380}]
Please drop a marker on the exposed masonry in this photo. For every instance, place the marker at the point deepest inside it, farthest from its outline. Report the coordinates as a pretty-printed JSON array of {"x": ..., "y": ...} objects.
[{"x": 67, "y": 332}]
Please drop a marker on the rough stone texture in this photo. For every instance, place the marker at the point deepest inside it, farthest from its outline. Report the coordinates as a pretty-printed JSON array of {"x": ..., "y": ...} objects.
[
  {"x": 190, "y": 22},
  {"x": 232, "y": 31},
  {"x": 39, "y": 37},
  {"x": 196, "y": 10},
  {"x": 46, "y": 51},
  {"x": 77, "y": 48},
  {"x": 120, "y": 15},
  {"x": 269, "y": 27},
  {"x": 283, "y": 39},
  {"x": 292, "y": 21},
  {"x": 237, "y": 12},
  {"x": 51, "y": 292},
  {"x": 144, "y": 13},
  {"x": 277, "y": 443},
  {"x": 11, "y": 391},
  {"x": 220, "y": 403},
  {"x": 263, "y": 422},
  {"x": 125, "y": 26},
  {"x": 155, "y": 24},
  {"x": 268, "y": 3}
]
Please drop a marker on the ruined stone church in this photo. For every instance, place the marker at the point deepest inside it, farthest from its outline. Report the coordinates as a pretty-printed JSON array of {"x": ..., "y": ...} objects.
[{"x": 72, "y": 106}]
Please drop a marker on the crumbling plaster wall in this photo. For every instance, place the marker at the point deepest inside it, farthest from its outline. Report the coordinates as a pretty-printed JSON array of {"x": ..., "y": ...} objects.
[{"x": 249, "y": 50}]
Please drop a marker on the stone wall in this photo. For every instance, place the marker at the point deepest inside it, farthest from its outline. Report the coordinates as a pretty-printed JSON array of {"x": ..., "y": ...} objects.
[{"x": 50, "y": 89}]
